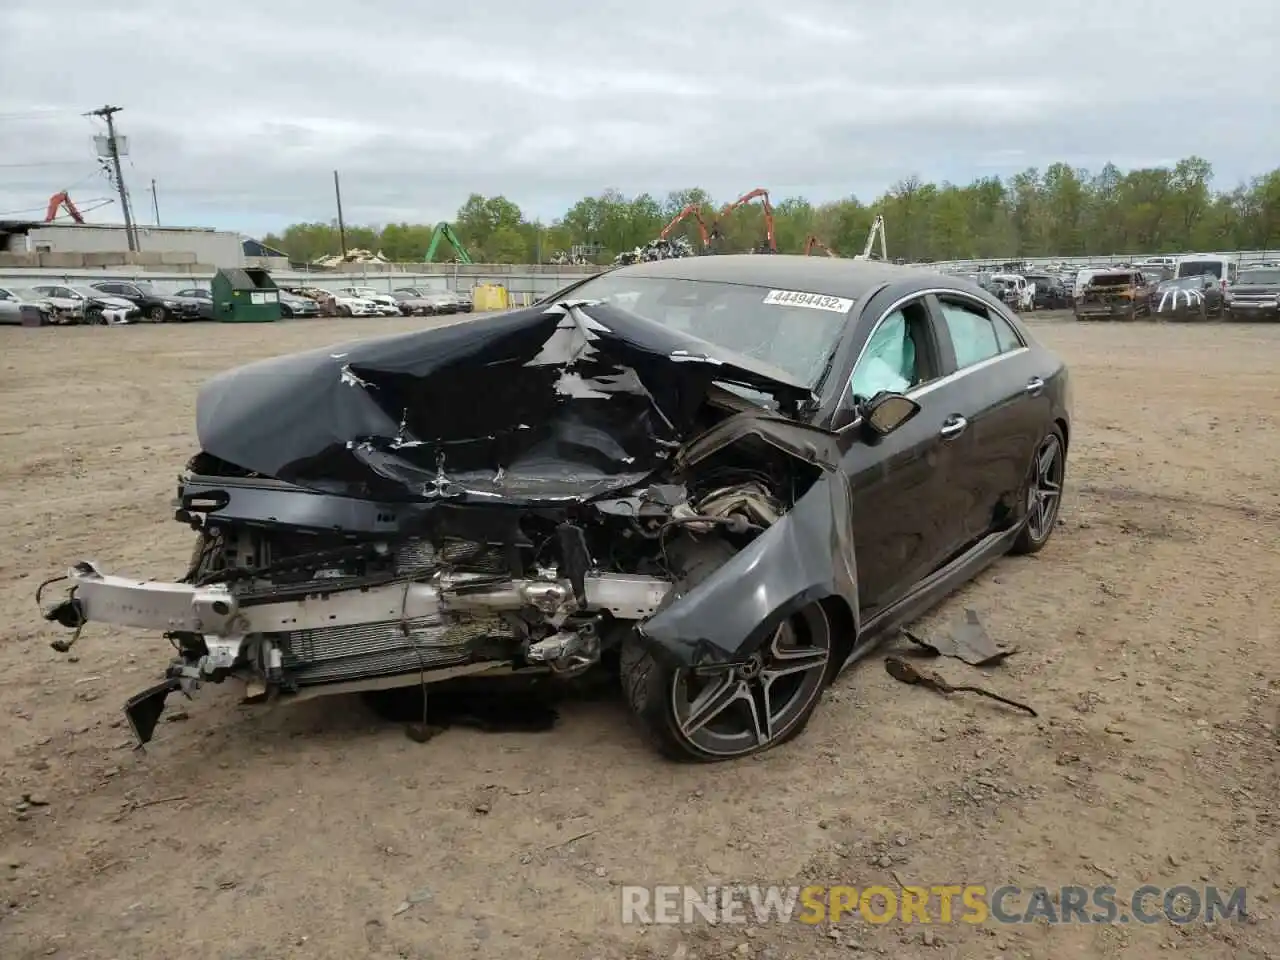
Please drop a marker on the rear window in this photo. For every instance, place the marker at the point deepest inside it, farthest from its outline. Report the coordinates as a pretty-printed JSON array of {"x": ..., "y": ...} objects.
[
  {"x": 1112, "y": 280},
  {"x": 1260, "y": 276},
  {"x": 1198, "y": 268}
]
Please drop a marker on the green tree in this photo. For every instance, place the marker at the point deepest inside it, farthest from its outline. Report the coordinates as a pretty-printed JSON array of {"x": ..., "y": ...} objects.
[{"x": 1062, "y": 211}]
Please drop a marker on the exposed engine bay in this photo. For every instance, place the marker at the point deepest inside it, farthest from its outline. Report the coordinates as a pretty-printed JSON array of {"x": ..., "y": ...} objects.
[{"x": 357, "y": 529}]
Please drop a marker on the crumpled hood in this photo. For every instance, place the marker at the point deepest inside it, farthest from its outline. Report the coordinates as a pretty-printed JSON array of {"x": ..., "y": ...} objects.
[{"x": 556, "y": 404}]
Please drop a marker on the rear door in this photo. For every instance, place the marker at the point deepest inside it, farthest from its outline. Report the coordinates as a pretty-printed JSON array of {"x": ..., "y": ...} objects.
[
  {"x": 998, "y": 392},
  {"x": 900, "y": 517}
]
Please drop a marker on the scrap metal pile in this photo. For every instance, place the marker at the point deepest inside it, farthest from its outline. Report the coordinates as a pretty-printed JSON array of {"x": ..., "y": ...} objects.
[{"x": 660, "y": 249}]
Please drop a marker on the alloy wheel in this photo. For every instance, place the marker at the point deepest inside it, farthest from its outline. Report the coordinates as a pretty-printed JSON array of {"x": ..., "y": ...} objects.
[
  {"x": 731, "y": 710},
  {"x": 1044, "y": 492}
]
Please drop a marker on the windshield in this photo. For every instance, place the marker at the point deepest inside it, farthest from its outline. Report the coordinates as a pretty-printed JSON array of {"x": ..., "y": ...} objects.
[
  {"x": 748, "y": 320},
  {"x": 1197, "y": 268},
  {"x": 91, "y": 293},
  {"x": 1260, "y": 276}
]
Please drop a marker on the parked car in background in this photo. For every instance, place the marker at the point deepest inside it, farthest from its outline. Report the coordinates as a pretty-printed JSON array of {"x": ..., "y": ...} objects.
[
  {"x": 294, "y": 306},
  {"x": 1187, "y": 298},
  {"x": 17, "y": 302},
  {"x": 1224, "y": 269},
  {"x": 1255, "y": 295},
  {"x": 324, "y": 299},
  {"x": 156, "y": 307},
  {"x": 204, "y": 297},
  {"x": 86, "y": 304},
  {"x": 1115, "y": 295},
  {"x": 413, "y": 304},
  {"x": 1012, "y": 288},
  {"x": 1049, "y": 293},
  {"x": 349, "y": 306},
  {"x": 461, "y": 302},
  {"x": 387, "y": 305}
]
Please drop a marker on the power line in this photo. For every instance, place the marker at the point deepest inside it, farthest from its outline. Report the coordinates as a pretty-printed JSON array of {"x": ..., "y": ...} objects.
[{"x": 42, "y": 163}]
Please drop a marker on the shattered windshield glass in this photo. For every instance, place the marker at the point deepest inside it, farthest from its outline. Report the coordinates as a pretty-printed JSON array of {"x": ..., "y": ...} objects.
[{"x": 795, "y": 339}]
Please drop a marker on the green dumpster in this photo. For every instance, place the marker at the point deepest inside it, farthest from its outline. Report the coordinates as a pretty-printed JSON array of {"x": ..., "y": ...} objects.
[{"x": 245, "y": 296}]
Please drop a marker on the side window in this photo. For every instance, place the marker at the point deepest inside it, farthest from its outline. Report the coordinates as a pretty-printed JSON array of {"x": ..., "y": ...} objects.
[
  {"x": 106, "y": 287},
  {"x": 977, "y": 334},
  {"x": 5, "y": 295},
  {"x": 893, "y": 358}
]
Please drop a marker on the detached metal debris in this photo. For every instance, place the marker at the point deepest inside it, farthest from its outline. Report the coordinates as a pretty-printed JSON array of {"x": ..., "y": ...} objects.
[{"x": 969, "y": 642}]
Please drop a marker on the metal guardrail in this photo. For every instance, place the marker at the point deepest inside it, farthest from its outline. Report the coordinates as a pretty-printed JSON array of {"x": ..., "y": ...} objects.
[{"x": 1242, "y": 257}]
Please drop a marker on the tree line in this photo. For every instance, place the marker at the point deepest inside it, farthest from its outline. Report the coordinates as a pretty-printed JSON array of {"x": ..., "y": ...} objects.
[{"x": 1060, "y": 211}]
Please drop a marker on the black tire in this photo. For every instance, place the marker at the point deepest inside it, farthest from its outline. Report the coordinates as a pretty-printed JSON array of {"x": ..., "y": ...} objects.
[
  {"x": 1033, "y": 535},
  {"x": 95, "y": 317},
  {"x": 656, "y": 691}
]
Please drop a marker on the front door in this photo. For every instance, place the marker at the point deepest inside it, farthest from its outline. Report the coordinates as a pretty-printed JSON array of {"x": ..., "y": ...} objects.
[{"x": 898, "y": 482}]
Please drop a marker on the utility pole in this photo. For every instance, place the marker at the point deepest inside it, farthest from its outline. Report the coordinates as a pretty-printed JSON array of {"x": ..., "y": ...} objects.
[
  {"x": 107, "y": 113},
  {"x": 155, "y": 204},
  {"x": 342, "y": 229}
]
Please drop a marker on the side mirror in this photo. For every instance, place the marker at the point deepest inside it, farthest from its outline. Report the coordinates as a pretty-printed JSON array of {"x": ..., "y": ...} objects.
[
  {"x": 886, "y": 412},
  {"x": 877, "y": 417}
]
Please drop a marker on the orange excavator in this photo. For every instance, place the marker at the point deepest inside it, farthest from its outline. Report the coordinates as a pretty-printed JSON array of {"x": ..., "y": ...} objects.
[
  {"x": 62, "y": 200},
  {"x": 763, "y": 195},
  {"x": 811, "y": 242},
  {"x": 690, "y": 210}
]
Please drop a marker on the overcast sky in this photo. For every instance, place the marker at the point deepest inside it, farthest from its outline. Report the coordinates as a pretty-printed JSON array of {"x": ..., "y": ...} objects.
[{"x": 241, "y": 111}]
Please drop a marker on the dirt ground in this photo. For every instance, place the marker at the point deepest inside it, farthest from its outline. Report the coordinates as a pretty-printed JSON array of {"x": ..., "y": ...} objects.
[{"x": 1148, "y": 643}]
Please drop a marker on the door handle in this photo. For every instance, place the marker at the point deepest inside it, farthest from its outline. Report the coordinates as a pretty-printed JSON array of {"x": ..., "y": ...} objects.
[
  {"x": 1034, "y": 386},
  {"x": 953, "y": 426}
]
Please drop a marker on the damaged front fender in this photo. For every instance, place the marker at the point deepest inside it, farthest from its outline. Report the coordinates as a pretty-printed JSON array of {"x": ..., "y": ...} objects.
[{"x": 807, "y": 556}]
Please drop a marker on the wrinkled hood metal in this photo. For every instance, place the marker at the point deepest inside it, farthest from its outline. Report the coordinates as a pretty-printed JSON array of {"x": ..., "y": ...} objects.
[{"x": 541, "y": 405}]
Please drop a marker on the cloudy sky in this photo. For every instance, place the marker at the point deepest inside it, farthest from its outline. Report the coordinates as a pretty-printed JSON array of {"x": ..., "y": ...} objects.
[{"x": 241, "y": 111}]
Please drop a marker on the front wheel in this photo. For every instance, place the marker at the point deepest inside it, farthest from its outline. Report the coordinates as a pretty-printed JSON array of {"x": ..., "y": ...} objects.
[
  {"x": 720, "y": 712},
  {"x": 1043, "y": 497}
]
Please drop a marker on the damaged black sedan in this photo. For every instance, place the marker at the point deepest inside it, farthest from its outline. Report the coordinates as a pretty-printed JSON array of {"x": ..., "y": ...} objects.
[{"x": 726, "y": 477}]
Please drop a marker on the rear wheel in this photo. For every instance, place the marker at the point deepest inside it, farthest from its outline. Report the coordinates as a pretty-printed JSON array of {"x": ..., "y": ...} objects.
[{"x": 1043, "y": 496}]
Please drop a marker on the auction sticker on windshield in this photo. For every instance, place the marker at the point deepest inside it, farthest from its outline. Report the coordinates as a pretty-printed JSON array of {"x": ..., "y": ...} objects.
[{"x": 811, "y": 301}]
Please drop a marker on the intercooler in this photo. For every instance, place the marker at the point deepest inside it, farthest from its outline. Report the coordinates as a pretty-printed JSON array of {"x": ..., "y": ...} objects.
[
  {"x": 385, "y": 648},
  {"x": 364, "y": 650}
]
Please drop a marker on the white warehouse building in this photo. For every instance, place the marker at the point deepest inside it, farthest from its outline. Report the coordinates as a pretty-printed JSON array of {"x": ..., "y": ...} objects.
[{"x": 218, "y": 248}]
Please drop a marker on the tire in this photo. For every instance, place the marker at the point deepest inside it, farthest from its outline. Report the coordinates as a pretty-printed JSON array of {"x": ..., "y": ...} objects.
[
  {"x": 158, "y": 315},
  {"x": 95, "y": 318},
  {"x": 660, "y": 695},
  {"x": 1034, "y": 534}
]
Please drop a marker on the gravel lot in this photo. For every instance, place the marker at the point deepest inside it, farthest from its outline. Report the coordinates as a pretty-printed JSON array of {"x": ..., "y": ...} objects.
[{"x": 1149, "y": 645}]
